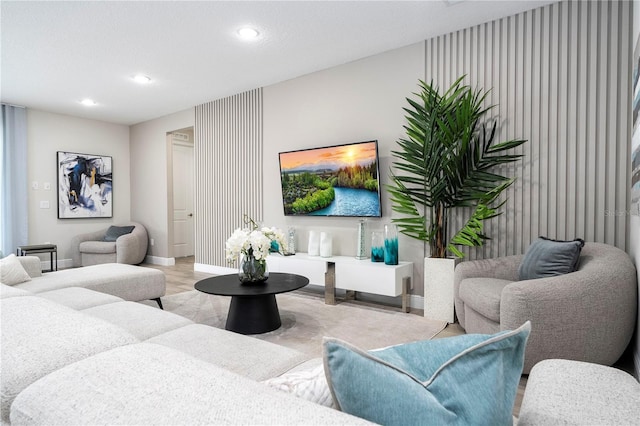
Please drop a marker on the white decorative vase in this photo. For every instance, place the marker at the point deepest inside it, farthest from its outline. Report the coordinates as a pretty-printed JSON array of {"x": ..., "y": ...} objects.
[
  {"x": 314, "y": 243},
  {"x": 326, "y": 244},
  {"x": 438, "y": 288}
]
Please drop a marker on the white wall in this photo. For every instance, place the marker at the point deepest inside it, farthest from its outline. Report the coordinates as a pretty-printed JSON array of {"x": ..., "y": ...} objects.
[
  {"x": 150, "y": 178},
  {"x": 355, "y": 102},
  {"x": 48, "y": 133}
]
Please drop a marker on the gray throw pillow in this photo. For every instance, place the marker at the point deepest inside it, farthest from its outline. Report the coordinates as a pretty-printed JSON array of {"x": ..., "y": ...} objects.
[
  {"x": 548, "y": 258},
  {"x": 117, "y": 231}
]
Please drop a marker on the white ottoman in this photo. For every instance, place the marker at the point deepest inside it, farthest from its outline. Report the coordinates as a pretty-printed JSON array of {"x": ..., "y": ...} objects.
[{"x": 563, "y": 392}]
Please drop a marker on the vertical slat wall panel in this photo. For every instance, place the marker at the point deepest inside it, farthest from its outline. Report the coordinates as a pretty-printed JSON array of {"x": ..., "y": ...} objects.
[
  {"x": 560, "y": 77},
  {"x": 228, "y": 161}
]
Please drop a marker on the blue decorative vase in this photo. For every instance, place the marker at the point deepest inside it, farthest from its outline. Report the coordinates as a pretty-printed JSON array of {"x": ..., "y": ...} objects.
[
  {"x": 377, "y": 246},
  {"x": 390, "y": 245}
]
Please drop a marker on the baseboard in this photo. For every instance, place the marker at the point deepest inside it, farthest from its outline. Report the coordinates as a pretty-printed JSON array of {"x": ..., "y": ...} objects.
[
  {"x": 62, "y": 264},
  {"x": 162, "y": 261},
  {"x": 416, "y": 302},
  {"x": 213, "y": 269},
  {"x": 153, "y": 260}
]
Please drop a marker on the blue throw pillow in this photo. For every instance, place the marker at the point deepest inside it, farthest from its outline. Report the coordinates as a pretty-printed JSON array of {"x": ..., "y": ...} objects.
[
  {"x": 548, "y": 258},
  {"x": 117, "y": 231},
  {"x": 463, "y": 380}
]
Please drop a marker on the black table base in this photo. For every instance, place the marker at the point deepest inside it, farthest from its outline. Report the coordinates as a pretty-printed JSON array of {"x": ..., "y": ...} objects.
[{"x": 253, "y": 314}]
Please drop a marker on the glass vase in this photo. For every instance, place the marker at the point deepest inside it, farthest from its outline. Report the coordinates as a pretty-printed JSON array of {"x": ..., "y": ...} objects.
[
  {"x": 360, "y": 252},
  {"x": 252, "y": 270},
  {"x": 291, "y": 241},
  {"x": 377, "y": 246},
  {"x": 390, "y": 245}
]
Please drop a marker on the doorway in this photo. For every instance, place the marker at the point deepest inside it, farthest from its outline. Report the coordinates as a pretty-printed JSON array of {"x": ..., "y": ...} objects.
[{"x": 182, "y": 191}]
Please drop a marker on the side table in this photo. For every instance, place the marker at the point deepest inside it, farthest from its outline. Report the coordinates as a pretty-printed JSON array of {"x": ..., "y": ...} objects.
[{"x": 52, "y": 249}]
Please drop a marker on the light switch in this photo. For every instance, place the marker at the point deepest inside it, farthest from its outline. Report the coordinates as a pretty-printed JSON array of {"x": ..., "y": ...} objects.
[
  {"x": 46, "y": 186},
  {"x": 44, "y": 204},
  {"x": 34, "y": 185}
]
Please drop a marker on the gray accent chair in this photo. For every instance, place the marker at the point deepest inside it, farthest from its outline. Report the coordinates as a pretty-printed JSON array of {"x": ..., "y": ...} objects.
[
  {"x": 90, "y": 248},
  {"x": 588, "y": 315}
]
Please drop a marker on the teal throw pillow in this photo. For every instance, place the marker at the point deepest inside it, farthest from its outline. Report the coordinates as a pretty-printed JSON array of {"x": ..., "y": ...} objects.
[
  {"x": 117, "y": 231},
  {"x": 463, "y": 380},
  {"x": 548, "y": 258}
]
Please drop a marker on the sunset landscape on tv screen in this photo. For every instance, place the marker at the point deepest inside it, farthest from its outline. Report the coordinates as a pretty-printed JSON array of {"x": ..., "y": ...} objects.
[{"x": 339, "y": 180}]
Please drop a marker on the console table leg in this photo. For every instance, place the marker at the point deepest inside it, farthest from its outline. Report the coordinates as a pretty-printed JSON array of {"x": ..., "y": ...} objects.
[
  {"x": 330, "y": 284},
  {"x": 406, "y": 285}
]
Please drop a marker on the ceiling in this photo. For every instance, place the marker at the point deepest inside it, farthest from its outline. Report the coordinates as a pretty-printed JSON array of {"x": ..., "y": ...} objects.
[{"x": 54, "y": 54}]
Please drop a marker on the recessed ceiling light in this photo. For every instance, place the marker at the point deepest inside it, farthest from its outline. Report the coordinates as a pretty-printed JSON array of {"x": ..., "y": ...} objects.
[
  {"x": 88, "y": 102},
  {"x": 142, "y": 79},
  {"x": 248, "y": 33}
]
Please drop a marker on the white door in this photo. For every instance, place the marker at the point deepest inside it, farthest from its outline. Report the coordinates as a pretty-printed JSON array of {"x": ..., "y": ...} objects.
[{"x": 183, "y": 231}]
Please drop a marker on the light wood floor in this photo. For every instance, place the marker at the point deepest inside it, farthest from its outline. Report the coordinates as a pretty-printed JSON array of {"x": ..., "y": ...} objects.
[{"x": 181, "y": 277}]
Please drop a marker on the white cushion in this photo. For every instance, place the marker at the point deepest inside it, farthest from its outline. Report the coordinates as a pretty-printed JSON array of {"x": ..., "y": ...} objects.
[
  {"x": 126, "y": 281},
  {"x": 10, "y": 291},
  {"x": 245, "y": 355},
  {"x": 79, "y": 298},
  {"x": 307, "y": 384},
  {"x": 11, "y": 271},
  {"x": 39, "y": 336},
  {"x": 147, "y": 384},
  {"x": 140, "y": 320}
]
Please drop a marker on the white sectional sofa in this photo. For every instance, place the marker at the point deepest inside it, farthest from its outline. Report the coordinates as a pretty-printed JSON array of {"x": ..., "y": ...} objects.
[
  {"x": 133, "y": 283},
  {"x": 76, "y": 356},
  {"x": 72, "y": 355}
]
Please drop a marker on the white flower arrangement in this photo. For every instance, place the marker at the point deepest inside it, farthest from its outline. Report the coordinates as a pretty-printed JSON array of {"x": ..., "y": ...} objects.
[{"x": 252, "y": 241}]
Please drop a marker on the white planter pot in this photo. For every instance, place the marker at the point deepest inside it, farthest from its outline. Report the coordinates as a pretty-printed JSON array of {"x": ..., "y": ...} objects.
[{"x": 438, "y": 288}]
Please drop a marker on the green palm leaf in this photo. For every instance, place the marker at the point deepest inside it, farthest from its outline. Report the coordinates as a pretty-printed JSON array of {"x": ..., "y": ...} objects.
[{"x": 448, "y": 159}]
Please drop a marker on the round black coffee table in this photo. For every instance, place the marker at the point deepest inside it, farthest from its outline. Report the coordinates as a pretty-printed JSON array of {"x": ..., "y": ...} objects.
[{"x": 253, "y": 308}]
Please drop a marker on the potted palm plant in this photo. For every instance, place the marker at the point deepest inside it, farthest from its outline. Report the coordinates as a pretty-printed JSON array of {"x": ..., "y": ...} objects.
[{"x": 447, "y": 161}]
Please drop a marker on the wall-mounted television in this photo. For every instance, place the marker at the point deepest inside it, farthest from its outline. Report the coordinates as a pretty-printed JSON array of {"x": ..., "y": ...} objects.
[{"x": 338, "y": 180}]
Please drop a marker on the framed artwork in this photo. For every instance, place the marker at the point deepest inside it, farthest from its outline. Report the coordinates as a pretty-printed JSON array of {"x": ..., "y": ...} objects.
[{"x": 84, "y": 185}]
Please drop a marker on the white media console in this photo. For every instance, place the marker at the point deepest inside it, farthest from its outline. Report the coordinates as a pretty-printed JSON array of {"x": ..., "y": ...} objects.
[{"x": 348, "y": 273}]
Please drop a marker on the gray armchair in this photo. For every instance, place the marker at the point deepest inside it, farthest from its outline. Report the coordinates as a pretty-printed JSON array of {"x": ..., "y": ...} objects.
[
  {"x": 588, "y": 315},
  {"x": 91, "y": 249}
]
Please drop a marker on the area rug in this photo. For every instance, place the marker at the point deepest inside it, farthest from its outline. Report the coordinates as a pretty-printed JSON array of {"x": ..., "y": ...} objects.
[{"x": 306, "y": 319}]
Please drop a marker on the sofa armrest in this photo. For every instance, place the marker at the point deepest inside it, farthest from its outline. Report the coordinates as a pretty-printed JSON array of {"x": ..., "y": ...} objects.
[
  {"x": 587, "y": 315},
  {"x": 32, "y": 265},
  {"x": 132, "y": 248},
  {"x": 75, "y": 244},
  {"x": 504, "y": 268}
]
